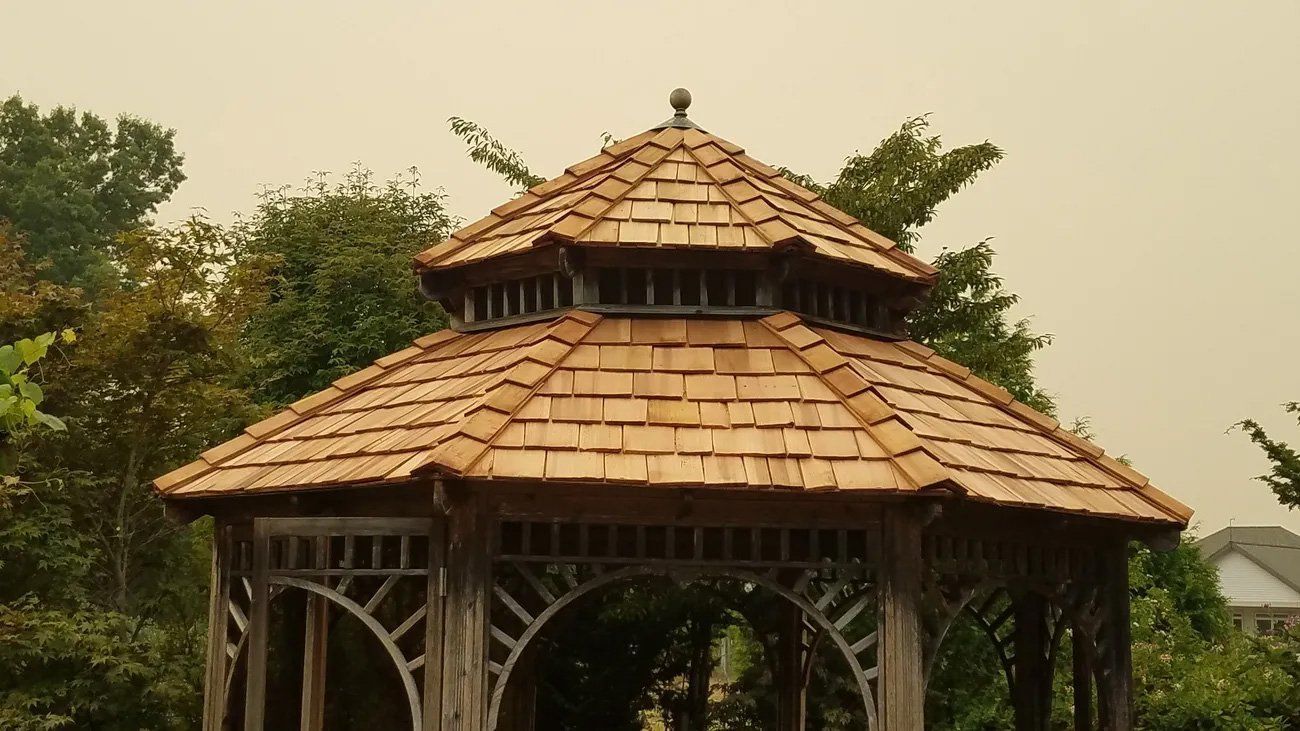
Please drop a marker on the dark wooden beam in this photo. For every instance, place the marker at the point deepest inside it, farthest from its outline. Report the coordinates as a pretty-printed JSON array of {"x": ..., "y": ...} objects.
[
  {"x": 1031, "y": 693},
  {"x": 1082, "y": 680},
  {"x": 1118, "y": 653}
]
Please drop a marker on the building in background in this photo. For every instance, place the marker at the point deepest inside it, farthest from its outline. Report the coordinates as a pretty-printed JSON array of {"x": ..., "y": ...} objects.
[{"x": 1259, "y": 570}]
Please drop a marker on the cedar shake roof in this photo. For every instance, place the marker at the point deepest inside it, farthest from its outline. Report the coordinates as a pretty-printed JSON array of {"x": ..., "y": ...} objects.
[
  {"x": 675, "y": 188},
  {"x": 757, "y": 404}
]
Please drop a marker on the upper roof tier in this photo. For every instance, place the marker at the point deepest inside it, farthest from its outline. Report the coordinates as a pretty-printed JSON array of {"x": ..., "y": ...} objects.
[{"x": 675, "y": 187}]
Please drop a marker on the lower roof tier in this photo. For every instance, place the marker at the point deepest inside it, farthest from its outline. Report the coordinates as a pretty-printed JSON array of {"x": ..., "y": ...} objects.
[{"x": 762, "y": 404}]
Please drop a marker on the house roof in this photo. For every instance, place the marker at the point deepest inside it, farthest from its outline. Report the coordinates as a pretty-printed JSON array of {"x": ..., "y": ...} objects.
[
  {"x": 748, "y": 404},
  {"x": 1274, "y": 548},
  {"x": 677, "y": 188}
]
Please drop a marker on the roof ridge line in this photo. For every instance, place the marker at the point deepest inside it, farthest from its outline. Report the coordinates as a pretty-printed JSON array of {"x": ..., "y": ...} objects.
[
  {"x": 510, "y": 408},
  {"x": 1267, "y": 567},
  {"x": 915, "y": 470},
  {"x": 590, "y": 222},
  {"x": 738, "y": 206},
  {"x": 1005, "y": 402},
  {"x": 296, "y": 412},
  {"x": 521, "y": 203},
  {"x": 893, "y": 251},
  {"x": 748, "y": 171}
]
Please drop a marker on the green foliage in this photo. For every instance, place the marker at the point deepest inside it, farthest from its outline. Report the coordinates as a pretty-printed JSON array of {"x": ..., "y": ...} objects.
[
  {"x": 72, "y": 182},
  {"x": 1207, "y": 677},
  {"x": 966, "y": 319},
  {"x": 92, "y": 669},
  {"x": 19, "y": 395},
  {"x": 101, "y": 597},
  {"x": 342, "y": 293},
  {"x": 897, "y": 188},
  {"x": 491, "y": 154},
  {"x": 1284, "y": 475}
]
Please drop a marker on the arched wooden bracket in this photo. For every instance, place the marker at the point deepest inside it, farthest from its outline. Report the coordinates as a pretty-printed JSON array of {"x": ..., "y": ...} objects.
[
  {"x": 528, "y": 595},
  {"x": 355, "y": 565}
]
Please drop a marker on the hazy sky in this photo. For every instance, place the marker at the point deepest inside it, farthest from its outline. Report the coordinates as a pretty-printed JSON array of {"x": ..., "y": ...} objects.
[{"x": 1145, "y": 211}]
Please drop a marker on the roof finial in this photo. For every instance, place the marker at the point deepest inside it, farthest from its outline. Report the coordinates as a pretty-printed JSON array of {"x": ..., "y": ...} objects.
[{"x": 680, "y": 99}]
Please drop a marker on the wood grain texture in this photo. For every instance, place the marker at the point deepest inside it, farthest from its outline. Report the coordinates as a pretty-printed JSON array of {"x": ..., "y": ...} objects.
[{"x": 902, "y": 677}]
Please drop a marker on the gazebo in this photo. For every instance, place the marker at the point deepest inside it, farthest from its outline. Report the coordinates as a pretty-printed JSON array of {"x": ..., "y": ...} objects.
[{"x": 669, "y": 361}]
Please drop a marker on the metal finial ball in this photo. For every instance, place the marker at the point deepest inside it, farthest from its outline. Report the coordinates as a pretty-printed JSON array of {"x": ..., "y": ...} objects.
[{"x": 680, "y": 99}]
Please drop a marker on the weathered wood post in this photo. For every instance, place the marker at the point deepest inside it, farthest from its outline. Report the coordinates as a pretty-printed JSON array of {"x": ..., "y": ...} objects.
[
  {"x": 465, "y": 672},
  {"x": 258, "y": 629},
  {"x": 214, "y": 682},
  {"x": 902, "y": 678},
  {"x": 314, "y": 647},
  {"x": 791, "y": 692}
]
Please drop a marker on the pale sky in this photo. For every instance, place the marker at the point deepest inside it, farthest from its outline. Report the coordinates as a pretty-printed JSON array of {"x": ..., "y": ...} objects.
[{"x": 1144, "y": 211}]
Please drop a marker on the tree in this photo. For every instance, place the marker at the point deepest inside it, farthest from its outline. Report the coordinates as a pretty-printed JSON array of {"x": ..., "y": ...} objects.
[
  {"x": 1284, "y": 475},
  {"x": 152, "y": 383},
  {"x": 342, "y": 293},
  {"x": 101, "y": 597},
  {"x": 72, "y": 182}
]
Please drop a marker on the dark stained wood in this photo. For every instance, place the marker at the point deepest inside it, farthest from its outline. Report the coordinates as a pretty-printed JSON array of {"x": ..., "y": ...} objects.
[
  {"x": 902, "y": 676},
  {"x": 633, "y": 505},
  {"x": 1082, "y": 680},
  {"x": 1031, "y": 693},
  {"x": 791, "y": 692},
  {"x": 465, "y": 616},
  {"x": 1117, "y": 654}
]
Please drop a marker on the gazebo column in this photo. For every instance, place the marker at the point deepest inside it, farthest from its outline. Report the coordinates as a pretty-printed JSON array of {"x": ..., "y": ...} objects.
[
  {"x": 314, "y": 648},
  {"x": 1032, "y": 693},
  {"x": 902, "y": 679},
  {"x": 1082, "y": 680},
  {"x": 465, "y": 650},
  {"x": 791, "y": 691},
  {"x": 214, "y": 682},
  {"x": 1114, "y": 649}
]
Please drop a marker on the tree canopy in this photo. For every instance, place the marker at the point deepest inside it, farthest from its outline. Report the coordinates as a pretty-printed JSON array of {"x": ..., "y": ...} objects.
[
  {"x": 71, "y": 182},
  {"x": 341, "y": 289}
]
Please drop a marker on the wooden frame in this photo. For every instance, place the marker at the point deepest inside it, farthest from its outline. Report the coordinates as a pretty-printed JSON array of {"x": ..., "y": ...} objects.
[{"x": 501, "y": 563}]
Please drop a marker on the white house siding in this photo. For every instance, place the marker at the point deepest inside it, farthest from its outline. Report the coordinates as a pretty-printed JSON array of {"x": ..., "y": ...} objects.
[{"x": 1247, "y": 584}]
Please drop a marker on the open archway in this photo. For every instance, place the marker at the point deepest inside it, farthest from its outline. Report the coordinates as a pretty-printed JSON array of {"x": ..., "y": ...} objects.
[{"x": 828, "y": 604}]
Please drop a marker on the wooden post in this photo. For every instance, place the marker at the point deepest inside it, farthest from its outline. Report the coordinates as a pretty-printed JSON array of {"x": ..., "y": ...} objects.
[
  {"x": 214, "y": 683},
  {"x": 465, "y": 676},
  {"x": 1117, "y": 653},
  {"x": 902, "y": 679},
  {"x": 1082, "y": 681},
  {"x": 791, "y": 699},
  {"x": 314, "y": 649},
  {"x": 1032, "y": 691},
  {"x": 258, "y": 628},
  {"x": 434, "y": 597}
]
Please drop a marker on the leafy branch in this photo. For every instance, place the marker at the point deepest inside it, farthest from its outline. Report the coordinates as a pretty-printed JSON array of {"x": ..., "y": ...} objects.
[
  {"x": 1284, "y": 477},
  {"x": 489, "y": 152}
]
